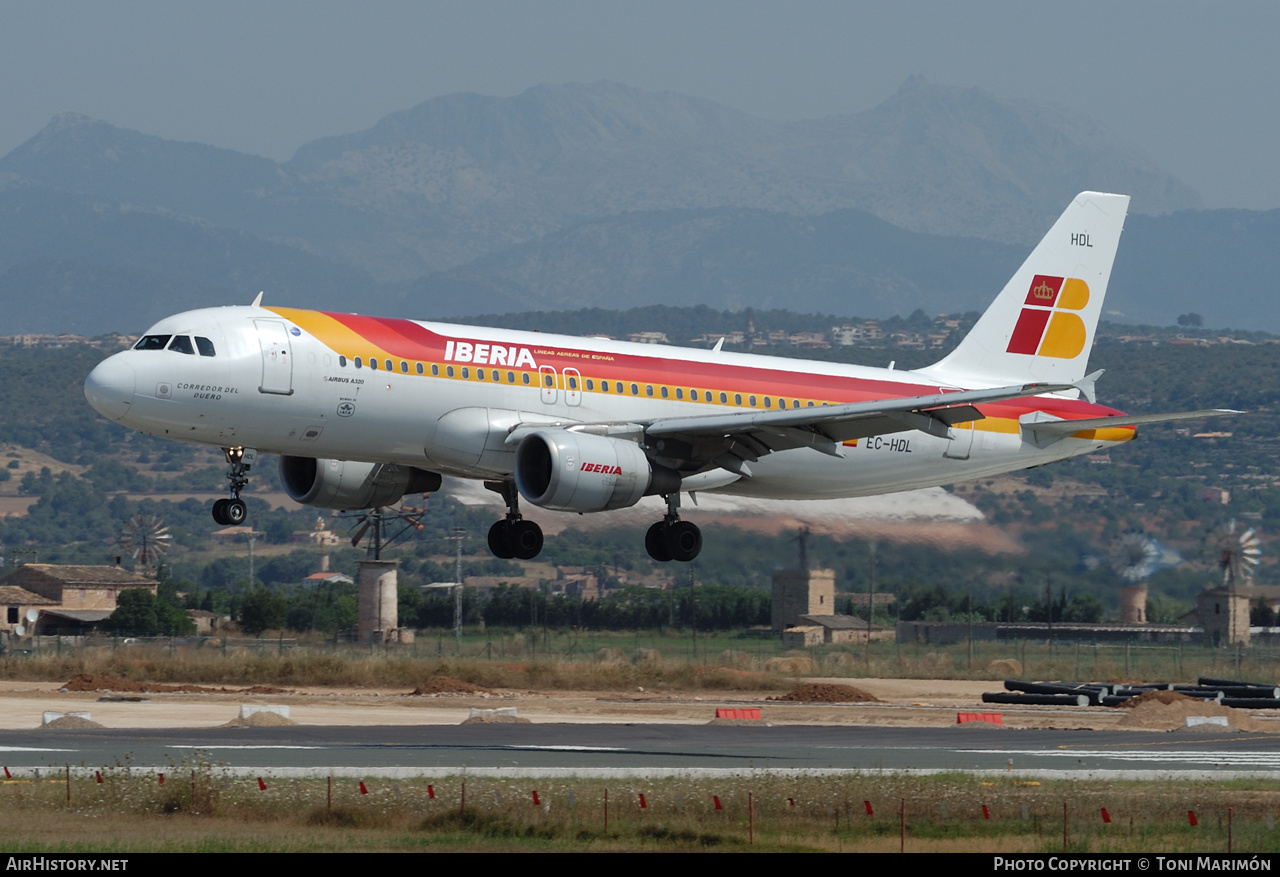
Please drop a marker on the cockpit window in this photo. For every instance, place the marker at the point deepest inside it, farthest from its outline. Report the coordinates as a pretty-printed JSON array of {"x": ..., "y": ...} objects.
[
  {"x": 205, "y": 346},
  {"x": 182, "y": 344},
  {"x": 152, "y": 342}
]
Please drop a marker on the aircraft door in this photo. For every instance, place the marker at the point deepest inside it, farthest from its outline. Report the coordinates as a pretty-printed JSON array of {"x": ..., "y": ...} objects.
[
  {"x": 572, "y": 387},
  {"x": 277, "y": 358},
  {"x": 547, "y": 383}
]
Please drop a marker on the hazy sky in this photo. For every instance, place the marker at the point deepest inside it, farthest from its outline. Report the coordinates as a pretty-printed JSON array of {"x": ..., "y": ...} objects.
[{"x": 1193, "y": 84}]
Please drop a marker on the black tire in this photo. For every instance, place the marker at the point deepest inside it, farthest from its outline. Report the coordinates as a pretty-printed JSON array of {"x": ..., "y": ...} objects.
[
  {"x": 655, "y": 542},
  {"x": 526, "y": 539},
  {"x": 500, "y": 543},
  {"x": 684, "y": 541},
  {"x": 220, "y": 512},
  {"x": 235, "y": 511}
]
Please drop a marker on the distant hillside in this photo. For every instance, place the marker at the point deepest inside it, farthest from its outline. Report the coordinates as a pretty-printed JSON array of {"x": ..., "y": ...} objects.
[
  {"x": 600, "y": 195},
  {"x": 71, "y": 263},
  {"x": 462, "y": 176},
  {"x": 845, "y": 262}
]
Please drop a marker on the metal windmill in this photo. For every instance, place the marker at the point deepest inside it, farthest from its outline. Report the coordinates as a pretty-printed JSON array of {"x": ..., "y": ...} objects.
[
  {"x": 1238, "y": 553},
  {"x": 145, "y": 538},
  {"x": 372, "y": 526},
  {"x": 1134, "y": 557}
]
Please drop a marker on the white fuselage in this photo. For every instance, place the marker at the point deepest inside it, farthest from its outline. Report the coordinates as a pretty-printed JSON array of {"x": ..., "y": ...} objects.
[{"x": 300, "y": 383}]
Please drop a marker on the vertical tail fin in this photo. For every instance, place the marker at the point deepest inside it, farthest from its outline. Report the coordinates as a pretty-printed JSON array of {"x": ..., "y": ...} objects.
[{"x": 1042, "y": 324}]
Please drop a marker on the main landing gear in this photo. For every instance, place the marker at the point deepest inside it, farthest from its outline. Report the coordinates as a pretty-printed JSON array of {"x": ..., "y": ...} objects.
[
  {"x": 513, "y": 536},
  {"x": 233, "y": 512},
  {"x": 672, "y": 538}
]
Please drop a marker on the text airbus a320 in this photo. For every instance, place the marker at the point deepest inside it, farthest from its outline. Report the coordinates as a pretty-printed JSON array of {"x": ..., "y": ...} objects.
[{"x": 363, "y": 410}]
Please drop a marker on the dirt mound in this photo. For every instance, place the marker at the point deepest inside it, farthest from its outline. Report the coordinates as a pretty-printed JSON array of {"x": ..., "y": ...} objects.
[
  {"x": 64, "y": 723},
  {"x": 1168, "y": 711},
  {"x": 817, "y": 692},
  {"x": 90, "y": 682},
  {"x": 438, "y": 685},
  {"x": 496, "y": 720},
  {"x": 261, "y": 719},
  {"x": 1165, "y": 697}
]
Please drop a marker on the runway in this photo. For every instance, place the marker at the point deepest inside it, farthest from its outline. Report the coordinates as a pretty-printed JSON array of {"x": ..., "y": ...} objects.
[{"x": 650, "y": 750}]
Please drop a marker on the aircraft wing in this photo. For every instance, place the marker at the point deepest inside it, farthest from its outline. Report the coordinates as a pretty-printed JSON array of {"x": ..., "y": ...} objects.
[
  {"x": 749, "y": 435},
  {"x": 1062, "y": 428}
]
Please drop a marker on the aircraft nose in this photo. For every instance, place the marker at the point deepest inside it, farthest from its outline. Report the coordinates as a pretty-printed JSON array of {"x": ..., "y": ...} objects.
[{"x": 110, "y": 386}]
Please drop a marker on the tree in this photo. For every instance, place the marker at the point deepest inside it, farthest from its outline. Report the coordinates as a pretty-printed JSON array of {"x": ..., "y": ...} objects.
[
  {"x": 262, "y": 610},
  {"x": 135, "y": 613}
]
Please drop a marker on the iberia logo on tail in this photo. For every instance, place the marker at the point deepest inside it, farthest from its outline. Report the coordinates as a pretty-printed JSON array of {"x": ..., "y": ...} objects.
[{"x": 1047, "y": 325}]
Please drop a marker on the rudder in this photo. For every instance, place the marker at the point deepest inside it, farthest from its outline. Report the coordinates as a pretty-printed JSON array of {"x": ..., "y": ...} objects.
[{"x": 1042, "y": 324}]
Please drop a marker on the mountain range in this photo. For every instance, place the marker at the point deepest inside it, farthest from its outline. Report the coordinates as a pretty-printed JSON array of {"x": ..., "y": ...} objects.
[{"x": 607, "y": 196}]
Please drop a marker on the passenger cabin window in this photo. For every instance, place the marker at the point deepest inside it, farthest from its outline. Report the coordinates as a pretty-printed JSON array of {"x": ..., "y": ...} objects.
[
  {"x": 390, "y": 367},
  {"x": 342, "y": 361},
  {"x": 604, "y": 386},
  {"x": 152, "y": 342},
  {"x": 435, "y": 370},
  {"x": 525, "y": 378},
  {"x": 373, "y": 363},
  {"x": 182, "y": 344},
  {"x": 205, "y": 346},
  {"x": 404, "y": 367},
  {"x": 449, "y": 370},
  {"x": 357, "y": 362},
  {"x": 418, "y": 367}
]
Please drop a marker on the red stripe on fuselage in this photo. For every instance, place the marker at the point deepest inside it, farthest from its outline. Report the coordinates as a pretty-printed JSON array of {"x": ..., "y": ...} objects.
[{"x": 406, "y": 339}]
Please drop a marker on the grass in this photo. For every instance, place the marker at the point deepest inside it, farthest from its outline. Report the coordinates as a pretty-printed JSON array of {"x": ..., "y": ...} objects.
[
  {"x": 565, "y": 660},
  {"x": 131, "y": 812}
]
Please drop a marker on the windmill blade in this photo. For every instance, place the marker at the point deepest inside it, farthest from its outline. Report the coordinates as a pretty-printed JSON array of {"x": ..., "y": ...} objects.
[{"x": 364, "y": 528}]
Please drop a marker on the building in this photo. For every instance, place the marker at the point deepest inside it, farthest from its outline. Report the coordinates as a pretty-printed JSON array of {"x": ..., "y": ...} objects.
[
  {"x": 71, "y": 598},
  {"x": 798, "y": 592}
]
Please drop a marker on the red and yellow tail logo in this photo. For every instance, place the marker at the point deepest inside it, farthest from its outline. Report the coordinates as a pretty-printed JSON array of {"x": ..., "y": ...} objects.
[{"x": 1046, "y": 326}]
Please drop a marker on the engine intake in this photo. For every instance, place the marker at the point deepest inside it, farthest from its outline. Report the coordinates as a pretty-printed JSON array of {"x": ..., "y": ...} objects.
[
  {"x": 350, "y": 484},
  {"x": 577, "y": 472}
]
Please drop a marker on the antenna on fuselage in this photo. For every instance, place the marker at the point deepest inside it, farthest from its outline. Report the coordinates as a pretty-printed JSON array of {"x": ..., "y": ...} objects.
[
  {"x": 257, "y": 300},
  {"x": 719, "y": 344}
]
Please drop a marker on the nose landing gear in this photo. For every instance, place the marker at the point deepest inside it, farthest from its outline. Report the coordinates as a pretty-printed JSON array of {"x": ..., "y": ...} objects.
[
  {"x": 513, "y": 536},
  {"x": 233, "y": 512},
  {"x": 672, "y": 538}
]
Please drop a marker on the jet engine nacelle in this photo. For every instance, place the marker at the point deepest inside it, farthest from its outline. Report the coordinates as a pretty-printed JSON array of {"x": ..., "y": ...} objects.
[
  {"x": 577, "y": 472},
  {"x": 349, "y": 484}
]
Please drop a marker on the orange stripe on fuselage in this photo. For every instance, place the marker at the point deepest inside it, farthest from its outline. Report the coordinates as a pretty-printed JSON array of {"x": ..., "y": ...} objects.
[{"x": 353, "y": 335}]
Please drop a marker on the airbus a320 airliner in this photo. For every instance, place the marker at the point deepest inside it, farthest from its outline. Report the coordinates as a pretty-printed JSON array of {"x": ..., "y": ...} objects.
[{"x": 363, "y": 410}]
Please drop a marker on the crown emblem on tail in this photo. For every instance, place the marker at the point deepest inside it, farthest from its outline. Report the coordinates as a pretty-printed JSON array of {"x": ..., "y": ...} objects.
[{"x": 1043, "y": 291}]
